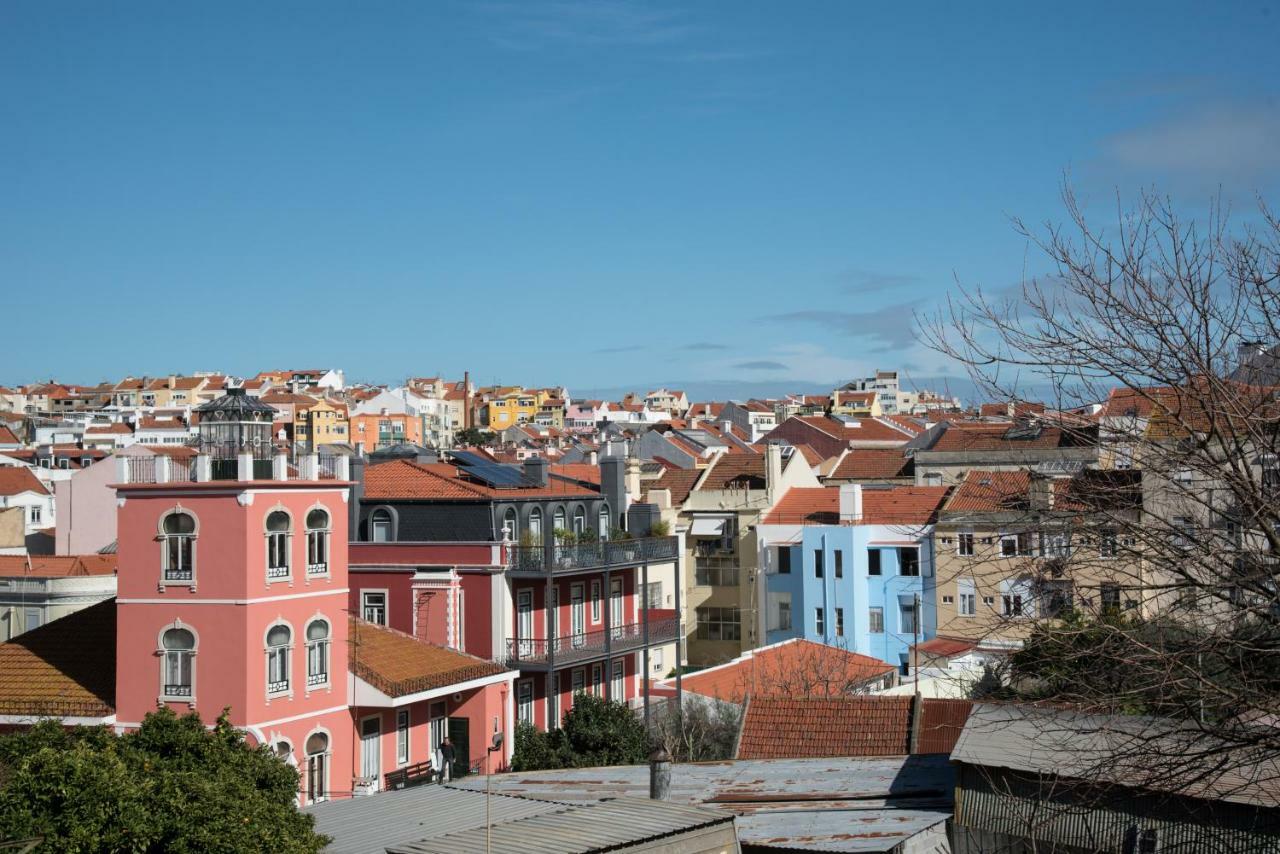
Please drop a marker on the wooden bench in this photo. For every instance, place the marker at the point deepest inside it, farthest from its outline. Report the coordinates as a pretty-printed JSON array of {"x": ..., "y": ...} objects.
[{"x": 410, "y": 775}]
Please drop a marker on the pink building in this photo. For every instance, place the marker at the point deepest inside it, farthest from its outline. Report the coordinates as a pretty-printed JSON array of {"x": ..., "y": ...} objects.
[{"x": 233, "y": 594}]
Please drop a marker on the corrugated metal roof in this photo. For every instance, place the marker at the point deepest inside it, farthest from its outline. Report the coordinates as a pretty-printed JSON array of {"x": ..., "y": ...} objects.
[
  {"x": 840, "y": 830},
  {"x": 879, "y": 795},
  {"x": 1128, "y": 750},
  {"x": 579, "y": 829},
  {"x": 371, "y": 824}
]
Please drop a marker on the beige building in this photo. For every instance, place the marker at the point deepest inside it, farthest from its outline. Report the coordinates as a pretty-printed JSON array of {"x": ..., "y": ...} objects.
[
  {"x": 39, "y": 588},
  {"x": 1013, "y": 547}
]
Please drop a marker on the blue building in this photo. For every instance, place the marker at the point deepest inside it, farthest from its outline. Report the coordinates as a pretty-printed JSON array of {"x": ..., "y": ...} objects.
[{"x": 851, "y": 566}]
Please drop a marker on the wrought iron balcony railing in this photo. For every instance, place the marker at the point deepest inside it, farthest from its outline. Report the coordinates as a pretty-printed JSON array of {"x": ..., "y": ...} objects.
[
  {"x": 585, "y": 646},
  {"x": 578, "y": 557}
]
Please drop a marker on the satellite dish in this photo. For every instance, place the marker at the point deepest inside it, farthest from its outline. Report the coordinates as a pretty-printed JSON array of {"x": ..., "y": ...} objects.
[{"x": 497, "y": 740}]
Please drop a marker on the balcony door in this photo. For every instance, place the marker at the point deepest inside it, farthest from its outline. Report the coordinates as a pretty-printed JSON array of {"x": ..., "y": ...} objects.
[
  {"x": 524, "y": 623},
  {"x": 615, "y": 607},
  {"x": 370, "y": 745},
  {"x": 578, "y": 615},
  {"x": 553, "y": 618}
]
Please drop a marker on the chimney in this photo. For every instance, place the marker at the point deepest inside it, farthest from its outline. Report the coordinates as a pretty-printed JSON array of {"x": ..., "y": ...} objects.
[
  {"x": 773, "y": 470},
  {"x": 613, "y": 487},
  {"x": 633, "y": 478},
  {"x": 535, "y": 471},
  {"x": 173, "y": 380},
  {"x": 358, "y": 463},
  {"x": 1040, "y": 492},
  {"x": 593, "y": 458},
  {"x": 851, "y": 502},
  {"x": 659, "y": 774}
]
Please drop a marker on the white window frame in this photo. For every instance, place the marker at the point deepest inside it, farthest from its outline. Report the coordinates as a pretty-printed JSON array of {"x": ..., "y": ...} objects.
[
  {"x": 596, "y": 589},
  {"x": 871, "y": 623},
  {"x": 965, "y": 544},
  {"x": 325, "y": 756},
  {"x": 285, "y": 655},
  {"x": 163, "y": 654},
  {"x": 524, "y": 706},
  {"x": 403, "y": 735},
  {"x": 618, "y": 681},
  {"x": 163, "y": 537},
  {"x": 820, "y": 622},
  {"x": 325, "y": 645},
  {"x": 386, "y": 604},
  {"x": 319, "y": 541},
  {"x": 966, "y": 598},
  {"x": 279, "y": 544}
]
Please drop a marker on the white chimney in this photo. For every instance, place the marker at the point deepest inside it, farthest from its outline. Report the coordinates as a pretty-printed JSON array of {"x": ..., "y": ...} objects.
[
  {"x": 851, "y": 502},
  {"x": 773, "y": 470}
]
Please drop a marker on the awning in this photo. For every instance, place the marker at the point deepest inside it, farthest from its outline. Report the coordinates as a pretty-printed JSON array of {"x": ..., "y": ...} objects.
[{"x": 707, "y": 527}]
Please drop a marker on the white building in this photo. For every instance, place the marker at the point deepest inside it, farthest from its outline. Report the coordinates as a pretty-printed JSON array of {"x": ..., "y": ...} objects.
[{"x": 19, "y": 487}]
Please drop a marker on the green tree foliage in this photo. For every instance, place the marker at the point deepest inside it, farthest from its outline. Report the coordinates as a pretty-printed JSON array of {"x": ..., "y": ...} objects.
[
  {"x": 473, "y": 437},
  {"x": 596, "y": 732},
  {"x": 173, "y": 785}
]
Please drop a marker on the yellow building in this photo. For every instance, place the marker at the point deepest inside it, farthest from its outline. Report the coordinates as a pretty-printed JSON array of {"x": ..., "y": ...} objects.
[
  {"x": 323, "y": 422},
  {"x": 861, "y": 404},
  {"x": 507, "y": 406}
]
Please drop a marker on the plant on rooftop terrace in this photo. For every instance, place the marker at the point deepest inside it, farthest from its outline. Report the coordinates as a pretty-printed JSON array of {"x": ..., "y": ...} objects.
[
  {"x": 660, "y": 528},
  {"x": 173, "y": 785},
  {"x": 618, "y": 534},
  {"x": 1145, "y": 580}
]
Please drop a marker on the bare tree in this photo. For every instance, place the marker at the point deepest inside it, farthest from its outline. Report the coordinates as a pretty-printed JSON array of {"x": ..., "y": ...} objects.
[{"x": 1150, "y": 579}]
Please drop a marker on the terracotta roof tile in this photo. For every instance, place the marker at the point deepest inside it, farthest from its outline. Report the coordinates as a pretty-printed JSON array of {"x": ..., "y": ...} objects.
[
  {"x": 894, "y": 505},
  {"x": 736, "y": 471},
  {"x": 15, "y": 479},
  {"x": 792, "y": 668},
  {"x": 6, "y": 435},
  {"x": 66, "y": 667},
  {"x": 786, "y": 728},
  {"x": 404, "y": 479},
  {"x": 992, "y": 491},
  {"x": 679, "y": 481},
  {"x": 398, "y": 664},
  {"x": 873, "y": 463},
  {"x": 57, "y": 566}
]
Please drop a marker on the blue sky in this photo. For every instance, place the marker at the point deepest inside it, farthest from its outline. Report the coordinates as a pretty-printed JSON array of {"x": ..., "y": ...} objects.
[{"x": 729, "y": 196}]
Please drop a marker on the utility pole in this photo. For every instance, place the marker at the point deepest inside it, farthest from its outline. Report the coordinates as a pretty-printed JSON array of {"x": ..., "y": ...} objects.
[{"x": 915, "y": 641}]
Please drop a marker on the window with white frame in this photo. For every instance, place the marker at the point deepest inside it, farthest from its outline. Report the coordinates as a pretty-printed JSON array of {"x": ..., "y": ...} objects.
[
  {"x": 579, "y": 520},
  {"x": 839, "y": 622},
  {"x": 653, "y": 595},
  {"x": 178, "y": 547},
  {"x": 964, "y": 544},
  {"x": 966, "y": 597},
  {"x": 524, "y": 701},
  {"x": 279, "y": 642},
  {"x": 819, "y": 621},
  {"x": 178, "y": 648},
  {"x": 37, "y": 513},
  {"x": 402, "y": 736},
  {"x": 603, "y": 526},
  {"x": 381, "y": 529},
  {"x": 1015, "y": 598},
  {"x": 907, "y": 616},
  {"x": 1107, "y": 543},
  {"x": 597, "y": 680},
  {"x": 317, "y": 767},
  {"x": 317, "y": 653},
  {"x": 618, "y": 684},
  {"x": 373, "y": 606},
  {"x": 317, "y": 542},
  {"x": 1055, "y": 544},
  {"x": 655, "y": 660},
  {"x": 876, "y": 620},
  {"x": 278, "y": 544}
]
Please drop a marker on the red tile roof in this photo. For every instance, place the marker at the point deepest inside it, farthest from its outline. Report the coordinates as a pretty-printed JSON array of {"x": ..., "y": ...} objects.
[
  {"x": 16, "y": 479},
  {"x": 786, "y": 728},
  {"x": 994, "y": 437},
  {"x": 404, "y": 479},
  {"x": 736, "y": 471},
  {"x": 115, "y": 427},
  {"x": 57, "y": 566},
  {"x": 793, "y": 668},
  {"x": 67, "y": 667},
  {"x": 679, "y": 481},
  {"x": 781, "y": 728},
  {"x": 895, "y": 505},
  {"x": 873, "y": 463},
  {"x": 991, "y": 491},
  {"x": 946, "y": 647},
  {"x": 398, "y": 664},
  {"x": 6, "y": 436}
]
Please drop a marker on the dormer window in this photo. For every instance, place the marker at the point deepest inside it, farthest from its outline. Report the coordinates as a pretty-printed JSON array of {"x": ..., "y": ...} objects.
[
  {"x": 278, "y": 535},
  {"x": 178, "y": 546}
]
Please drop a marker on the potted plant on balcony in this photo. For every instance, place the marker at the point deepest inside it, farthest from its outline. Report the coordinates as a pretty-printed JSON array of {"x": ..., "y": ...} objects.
[{"x": 565, "y": 540}]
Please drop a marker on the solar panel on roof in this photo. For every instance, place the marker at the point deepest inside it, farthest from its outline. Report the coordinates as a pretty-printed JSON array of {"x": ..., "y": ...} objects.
[
  {"x": 498, "y": 475},
  {"x": 469, "y": 458}
]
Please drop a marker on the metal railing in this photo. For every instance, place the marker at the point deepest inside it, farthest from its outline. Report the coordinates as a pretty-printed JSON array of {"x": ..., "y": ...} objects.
[
  {"x": 183, "y": 574},
  {"x": 278, "y": 571},
  {"x": 279, "y": 687},
  {"x": 583, "y": 646},
  {"x": 327, "y": 466},
  {"x": 317, "y": 568},
  {"x": 584, "y": 556},
  {"x": 177, "y": 690}
]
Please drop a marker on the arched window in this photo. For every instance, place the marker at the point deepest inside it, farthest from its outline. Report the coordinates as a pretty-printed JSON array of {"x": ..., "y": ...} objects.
[
  {"x": 317, "y": 653},
  {"x": 284, "y": 751},
  {"x": 178, "y": 647},
  {"x": 278, "y": 544},
  {"x": 279, "y": 641},
  {"x": 380, "y": 526},
  {"x": 317, "y": 767},
  {"x": 178, "y": 539},
  {"x": 561, "y": 520},
  {"x": 535, "y": 526},
  {"x": 579, "y": 520},
  {"x": 317, "y": 542},
  {"x": 604, "y": 522},
  {"x": 509, "y": 528}
]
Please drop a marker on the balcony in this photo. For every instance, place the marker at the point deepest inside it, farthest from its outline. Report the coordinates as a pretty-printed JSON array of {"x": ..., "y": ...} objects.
[
  {"x": 568, "y": 650},
  {"x": 585, "y": 557}
]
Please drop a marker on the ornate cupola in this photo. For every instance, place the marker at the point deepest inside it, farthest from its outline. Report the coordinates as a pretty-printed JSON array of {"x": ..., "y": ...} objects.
[{"x": 232, "y": 425}]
